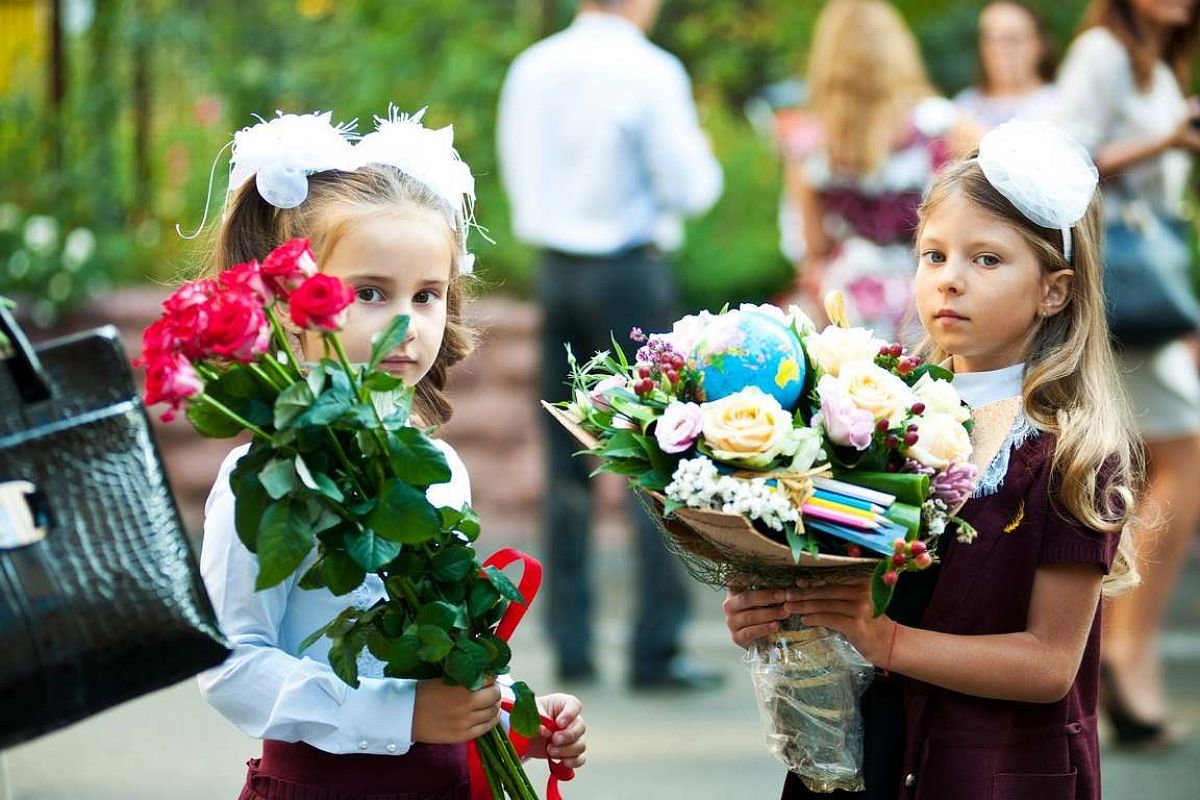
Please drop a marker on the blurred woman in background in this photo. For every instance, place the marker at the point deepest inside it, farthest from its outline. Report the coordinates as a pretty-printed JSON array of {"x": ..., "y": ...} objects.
[
  {"x": 1016, "y": 60},
  {"x": 1122, "y": 87}
]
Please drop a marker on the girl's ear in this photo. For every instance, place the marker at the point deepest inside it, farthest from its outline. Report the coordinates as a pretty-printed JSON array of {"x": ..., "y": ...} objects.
[{"x": 1056, "y": 291}]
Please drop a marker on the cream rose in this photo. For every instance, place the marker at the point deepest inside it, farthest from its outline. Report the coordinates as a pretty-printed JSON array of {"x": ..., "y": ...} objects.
[
  {"x": 749, "y": 427},
  {"x": 940, "y": 397},
  {"x": 877, "y": 391},
  {"x": 833, "y": 348},
  {"x": 941, "y": 441}
]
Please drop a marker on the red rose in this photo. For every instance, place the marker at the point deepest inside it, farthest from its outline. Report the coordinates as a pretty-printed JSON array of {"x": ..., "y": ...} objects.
[
  {"x": 247, "y": 278},
  {"x": 237, "y": 326},
  {"x": 187, "y": 316},
  {"x": 158, "y": 340},
  {"x": 321, "y": 302},
  {"x": 171, "y": 379},
  {"x": 289, "y": 265}
]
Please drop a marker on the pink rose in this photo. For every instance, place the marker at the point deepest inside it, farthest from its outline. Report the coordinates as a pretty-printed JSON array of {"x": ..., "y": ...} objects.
[
  {"x": 187, "y": 315},
  {"x": 289, "y": 265},
  {"x": 601, "y": 391},
  {"x": 679, "y": 427},
  {"x": 845, "y": 424},
  {"x": 247, "y": 278},
  {"x": 237, "y": 327},
  {"x": 171, "y": 379},
  {"x": 321, "y": 302}
]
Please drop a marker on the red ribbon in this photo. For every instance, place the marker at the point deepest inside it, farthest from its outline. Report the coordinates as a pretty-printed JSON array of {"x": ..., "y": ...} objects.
[{"x": 531, "y": 581}]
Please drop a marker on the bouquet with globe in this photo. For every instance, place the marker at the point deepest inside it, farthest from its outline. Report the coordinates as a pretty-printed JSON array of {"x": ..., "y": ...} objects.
[
  {"x": 768, "y": 452},
  {"x": 334, "y": 484}
]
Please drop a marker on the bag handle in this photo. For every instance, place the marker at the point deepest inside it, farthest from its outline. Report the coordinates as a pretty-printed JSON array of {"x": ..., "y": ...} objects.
[{"x": 24, "y": 364}]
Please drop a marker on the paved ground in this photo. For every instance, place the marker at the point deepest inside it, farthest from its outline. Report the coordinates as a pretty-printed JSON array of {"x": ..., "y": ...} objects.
[{"x": 172, "y": 745}]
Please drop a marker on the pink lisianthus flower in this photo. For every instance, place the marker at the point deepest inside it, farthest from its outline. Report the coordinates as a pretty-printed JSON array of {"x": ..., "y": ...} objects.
[
  {"x": 601, "y": 391},
  {"x": 322, "y": 302},
  {"x": 171, "y": 379},
  {"x": 679, "y": 427},
  {"x": 845, "y": 424},
  {"x": 289, "y": 265},
  {"x": 237, "y": 326}
]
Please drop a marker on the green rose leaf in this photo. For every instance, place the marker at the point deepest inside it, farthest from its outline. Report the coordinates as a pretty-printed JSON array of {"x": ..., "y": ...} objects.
[
  {"x": 382, "y": 382},
  {"x": 312, "y": 578},
  {"x": 250, "y": 501},
  {"x": 435, "y": 643},
  {"x": 210, "y": 422},
  {"x": 416, "y": 459},
  {"x": 343, "y": 657},
  {"x": 482, "y": 598},
  {"x": 284, "y": 539},
  {"x": 525, "y": 718},
  {"x": 278, "y": 477},
  {"x": 292, "y": 403},
  {"x": 465, "y": 664},
  {"x": 369, "y": 551},
  {"x": 504, "y": 585},
  {"x": 388, "y": 339},
  {"x": 443, "y": 615},
  {"x": 340, "y": 573},
  {"x": 404, "y": 515},
  {"x": 403, "y": 654},
  {"x": 453, "y": 564},
  {"x": 499, "y": 652},
  {"x": 328, "y": 488}
]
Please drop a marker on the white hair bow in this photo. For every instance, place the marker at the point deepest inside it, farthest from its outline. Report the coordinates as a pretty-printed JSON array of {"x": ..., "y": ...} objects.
[
  {"x": 281, "y": 153},
  {"x": 1047, "y": 175}
]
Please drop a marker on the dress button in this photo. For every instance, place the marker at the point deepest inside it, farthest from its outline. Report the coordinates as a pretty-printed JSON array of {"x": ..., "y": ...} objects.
[
  {"x": 910, "y": 780},
  {"x": 391, "y": 747},
  {"x": 363, "y": 745}
]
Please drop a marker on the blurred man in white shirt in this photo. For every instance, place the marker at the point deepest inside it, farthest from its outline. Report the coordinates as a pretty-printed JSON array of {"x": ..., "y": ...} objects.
[{"x": 601, "y": 155}]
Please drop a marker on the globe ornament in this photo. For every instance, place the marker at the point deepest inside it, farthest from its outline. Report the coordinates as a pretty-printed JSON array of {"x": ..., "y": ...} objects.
[{"x": 748, "y": 348}]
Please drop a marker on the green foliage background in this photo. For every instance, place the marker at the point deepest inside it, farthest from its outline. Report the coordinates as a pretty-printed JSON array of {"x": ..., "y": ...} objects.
[{"x": 211, "y": 65}]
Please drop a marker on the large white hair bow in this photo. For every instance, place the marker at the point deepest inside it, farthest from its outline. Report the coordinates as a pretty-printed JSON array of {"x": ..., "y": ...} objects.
[
  {"x": 283, "y": 152},
  {"x": 1047, "y": 175}
]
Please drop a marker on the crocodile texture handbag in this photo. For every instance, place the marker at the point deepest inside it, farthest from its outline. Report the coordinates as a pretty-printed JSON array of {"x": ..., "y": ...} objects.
[{"x": 100, "y": 597}]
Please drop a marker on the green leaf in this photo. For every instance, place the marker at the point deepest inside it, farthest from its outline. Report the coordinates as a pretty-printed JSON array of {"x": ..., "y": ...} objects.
[
  {"x": 623, "y": 444},
  {"x": 504, "y": 585},
  {"x": 796, "y": 541},
  {"x": 327, "y": 409},
  {"x": 378, "y": 381},
  {"x": 402, "y": 654},
  {"x": 211, "y": 422},
  {"x": 388, "y": 339},
  {"x": 525, "y": 718},
  {"x": 465, "y": 664},
  {"x": 283, "y": 541},
  {"x": 881, "y": 593},
  {"x": 312, "y": 578},
  {"x": 312, "y": 638},
  {"x": 278, "y": 477},
  {"x": 435, "y": 643},
  {"x": 906, "y": 515},
  {"x": 416, "y": 459},
  {"x": 482, "y": 598},
  {"x": 453, "y": 564},
  {"x": 316, "y": 379},
  {"x": 328, "y": 488},
  {"x": 907, "y": 487},
  {"x": 932, "y": 370},
  {"x": 340, "y": 573},
  {"x": 404, "y": 515},
  {"x": 369, "y": 551},
  {"x": 343, "y": 657},
  {"x": 250, "y": 500},
  {"x": 498, "y": 650},
  {"x": 292, "y": 403},
  {"x": 442, "y": 615}
]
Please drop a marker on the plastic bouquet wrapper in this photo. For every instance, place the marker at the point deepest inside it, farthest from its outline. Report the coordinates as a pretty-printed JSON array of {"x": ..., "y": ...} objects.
[{"x": 770, "y": 452}]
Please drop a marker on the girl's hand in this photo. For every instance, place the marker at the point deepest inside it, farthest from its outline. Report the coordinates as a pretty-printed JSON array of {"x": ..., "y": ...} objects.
[
  {"x": 444, "y": 714},
  {"x": 567, "y": 743},
  {"x": 754, "y": 614},
  {"x": 846, "y": 608}
]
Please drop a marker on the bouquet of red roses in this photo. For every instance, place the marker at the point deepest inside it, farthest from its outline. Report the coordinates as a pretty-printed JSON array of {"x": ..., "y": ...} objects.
[{"x": 335, "y": 464}]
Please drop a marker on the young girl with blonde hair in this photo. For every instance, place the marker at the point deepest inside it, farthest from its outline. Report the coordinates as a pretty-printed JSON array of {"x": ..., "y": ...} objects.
[
  {"x": 388, "y": 215},
  {"x": 990, "y": 660}
]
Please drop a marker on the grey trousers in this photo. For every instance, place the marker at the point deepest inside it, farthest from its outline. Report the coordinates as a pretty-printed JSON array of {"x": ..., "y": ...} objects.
[{"x": 587, "y": 300}]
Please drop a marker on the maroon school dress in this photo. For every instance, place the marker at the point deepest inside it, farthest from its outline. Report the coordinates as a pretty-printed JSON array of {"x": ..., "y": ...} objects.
[
  {"x": 298, "y": 771},
  {"x": 961, "y": 746}
]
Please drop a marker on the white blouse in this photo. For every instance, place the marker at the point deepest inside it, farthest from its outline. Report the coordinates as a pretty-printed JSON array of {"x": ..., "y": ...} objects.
[
  {"x": 980, "y": 388},
  {"x": 268, "y": 689},
  {"x": 1100, "y": 103}
]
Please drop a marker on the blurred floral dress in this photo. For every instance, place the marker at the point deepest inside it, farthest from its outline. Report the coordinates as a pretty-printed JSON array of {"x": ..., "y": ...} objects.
[{"x": 872, "y": 222}]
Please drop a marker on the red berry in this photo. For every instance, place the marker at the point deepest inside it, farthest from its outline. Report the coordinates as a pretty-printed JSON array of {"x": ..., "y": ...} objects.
[
  {"x": 881, "y": 426},
  {"x": 910, "y": 439},
  {"x": 922, "y": 561},
  {"x": 898, "y": 559},
  {"x": 644, "y": 372},
  {"x": 904, "y": 368},
  {"x": 890, "y": 577},
  {"x": 891, "y": 466},
  {"x": 672, "y": 376},
  {"x": 854, "y": 551},
  {"x": 892, "y": 441},
  {"x": 918, "y": 408},
  {"x": 895, "y": 351},
  {"x": 917, "y": 361},
  {"x": 913, "y": 428},
  {"x": 916, "y": 547},
  {"x": 898, "y": 545},
  {"x": 885, "y": 350}
]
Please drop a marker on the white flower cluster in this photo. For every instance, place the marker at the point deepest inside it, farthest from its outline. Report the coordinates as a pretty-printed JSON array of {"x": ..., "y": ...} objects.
[{"x": 697, "y": 484}]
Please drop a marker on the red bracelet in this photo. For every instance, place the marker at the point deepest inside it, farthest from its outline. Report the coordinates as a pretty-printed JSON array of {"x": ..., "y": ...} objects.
[{"x": 887, "y": 670}]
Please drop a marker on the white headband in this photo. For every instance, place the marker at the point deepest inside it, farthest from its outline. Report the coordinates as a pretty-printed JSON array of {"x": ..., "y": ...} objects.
[
  {"x": 281, "y": 153},
  {"x": 1047, "y": 175}
]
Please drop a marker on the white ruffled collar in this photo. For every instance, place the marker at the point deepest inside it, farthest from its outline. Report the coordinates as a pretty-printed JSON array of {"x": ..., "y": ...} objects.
[{"x": 980, "y": 388}]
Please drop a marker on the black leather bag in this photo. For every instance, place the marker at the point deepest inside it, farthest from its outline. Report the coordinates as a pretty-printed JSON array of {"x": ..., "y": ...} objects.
[
  {"x": 100, "y": 596},
  {"x": 1147, "y": 257}
]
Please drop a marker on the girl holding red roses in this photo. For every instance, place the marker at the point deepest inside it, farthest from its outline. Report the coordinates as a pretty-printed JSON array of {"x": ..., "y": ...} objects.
[{"x": 387, "y": 219}]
